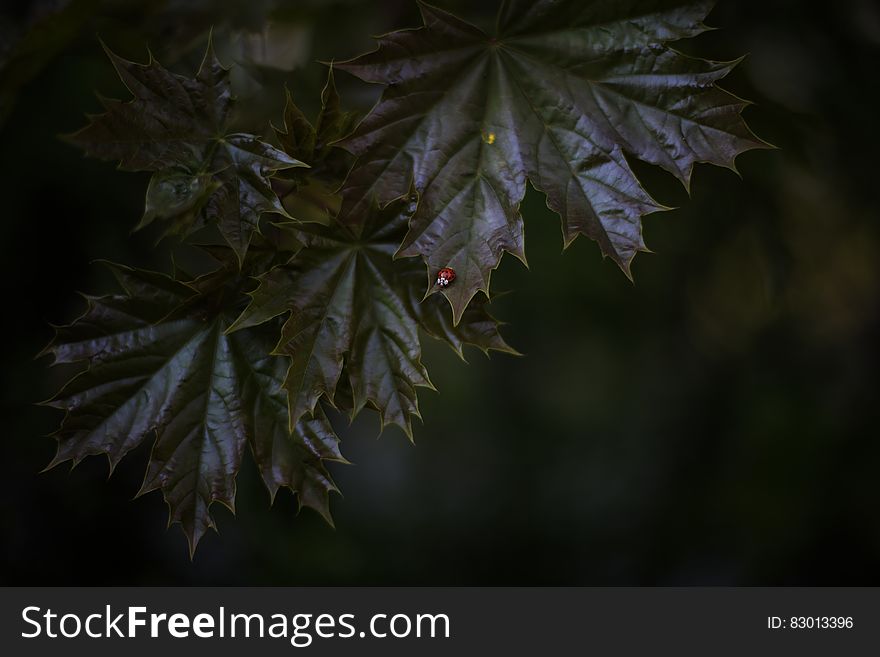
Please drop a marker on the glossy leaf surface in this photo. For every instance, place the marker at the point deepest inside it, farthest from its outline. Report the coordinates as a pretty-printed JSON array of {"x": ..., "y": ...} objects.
[
  {"x": 161, "y": 367},
  {"x": 355, "y": 312},
  {"x": 177, "y": 127},
  {"x": 558, "y": 97}
]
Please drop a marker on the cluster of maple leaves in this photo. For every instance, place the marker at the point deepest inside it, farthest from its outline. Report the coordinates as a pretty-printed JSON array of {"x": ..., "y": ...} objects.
[{"x": 326, "y": 302}]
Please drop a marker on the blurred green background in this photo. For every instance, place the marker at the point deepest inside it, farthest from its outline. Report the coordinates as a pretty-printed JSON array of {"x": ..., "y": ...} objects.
[{"x": 715, "y": 423}]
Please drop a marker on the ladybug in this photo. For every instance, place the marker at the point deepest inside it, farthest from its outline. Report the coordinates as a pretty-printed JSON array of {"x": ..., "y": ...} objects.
[{"x": 445, "y": 276}]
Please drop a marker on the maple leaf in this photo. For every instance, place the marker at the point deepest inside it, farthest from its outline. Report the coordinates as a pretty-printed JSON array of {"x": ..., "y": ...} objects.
[
  {"x": 161, "y": 365},
  {"x": 312, "y": 195},
  {"x": 178, "y": 128},
  {"x": 557, "y": 97},
  {"x": 315, "y": 144},
  {"x": 355, "y": 313}
]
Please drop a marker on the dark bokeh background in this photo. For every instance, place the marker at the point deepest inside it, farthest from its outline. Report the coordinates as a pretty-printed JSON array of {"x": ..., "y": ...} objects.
[{"x": 715, "y": 423}]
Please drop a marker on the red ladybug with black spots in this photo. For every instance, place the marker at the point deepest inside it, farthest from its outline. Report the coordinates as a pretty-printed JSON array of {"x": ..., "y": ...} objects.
[{"x": 445, "y": 277}]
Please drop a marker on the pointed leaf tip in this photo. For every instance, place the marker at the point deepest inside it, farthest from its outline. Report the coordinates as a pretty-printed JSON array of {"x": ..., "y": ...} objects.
[
  {"x": 177, "y": 128},
  {"x": 562, "y": 113},
  {"x": 159, "y": 347}
]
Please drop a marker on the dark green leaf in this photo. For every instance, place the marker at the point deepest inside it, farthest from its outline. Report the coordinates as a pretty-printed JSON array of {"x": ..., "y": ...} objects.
[
  {"x": 557, "y": 97},
  {"x": 355, "y": 313},
  {"x": 298, "y": 137},
  {"x": 333, "y": 123},
  {"x": 316, "y": 144},
  {"x": 177, "y": 127},
  {"x": 312, "y": 196},
  {"x": 160, "y": 364}
]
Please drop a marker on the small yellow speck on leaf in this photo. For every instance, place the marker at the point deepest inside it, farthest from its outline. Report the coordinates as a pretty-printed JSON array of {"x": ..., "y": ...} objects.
[{"x": 490, "y": 138}]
